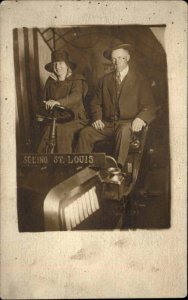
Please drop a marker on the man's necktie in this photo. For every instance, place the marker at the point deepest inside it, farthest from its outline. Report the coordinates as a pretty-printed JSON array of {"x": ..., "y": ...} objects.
[{"x": 118, "y": 81}]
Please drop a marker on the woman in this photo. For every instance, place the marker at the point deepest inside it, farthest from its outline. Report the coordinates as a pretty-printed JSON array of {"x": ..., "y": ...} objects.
[{"x": 67, "y": 89}]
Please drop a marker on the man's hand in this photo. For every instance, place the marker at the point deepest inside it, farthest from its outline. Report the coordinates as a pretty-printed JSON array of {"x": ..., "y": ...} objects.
[
  {"x": 138, "y": 124},
  {"x": 50, "y": 104},
  {"x": 99, "y": 125}
]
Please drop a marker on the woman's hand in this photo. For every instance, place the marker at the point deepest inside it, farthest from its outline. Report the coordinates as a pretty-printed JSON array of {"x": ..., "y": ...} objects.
[{"x": 50, "y": 104}]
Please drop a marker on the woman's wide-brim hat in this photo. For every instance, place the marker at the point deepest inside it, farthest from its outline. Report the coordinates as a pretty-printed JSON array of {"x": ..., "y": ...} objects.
[
  {"x": 60, "y": 55},
  {"x": 116, "y": 44}
]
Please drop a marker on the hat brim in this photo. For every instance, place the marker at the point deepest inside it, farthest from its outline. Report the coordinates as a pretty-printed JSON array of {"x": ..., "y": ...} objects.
[
  {"x": 70, "y": 64},
  {"x": 107, "y": 53}
]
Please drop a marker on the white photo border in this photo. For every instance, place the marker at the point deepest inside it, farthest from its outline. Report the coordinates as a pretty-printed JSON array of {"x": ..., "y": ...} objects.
[{"x": 142, "y": 263}]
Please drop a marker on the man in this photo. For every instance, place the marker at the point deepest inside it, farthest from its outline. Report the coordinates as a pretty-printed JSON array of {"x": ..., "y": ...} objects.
[
  {"x": 66, "y": 88},
  {"x": 123, "y": 104}
]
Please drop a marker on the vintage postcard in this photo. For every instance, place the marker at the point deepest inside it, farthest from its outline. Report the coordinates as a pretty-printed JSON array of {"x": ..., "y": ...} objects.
[{"x": 93, "y": 149}]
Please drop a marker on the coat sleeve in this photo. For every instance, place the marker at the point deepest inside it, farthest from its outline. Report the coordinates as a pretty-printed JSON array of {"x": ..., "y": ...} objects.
[
  {"x": 77, "y": 92},
  {"x": 96, "y": 103},
  {"x": 147, "y": 110},
  {"x": 47, "y": 91}
]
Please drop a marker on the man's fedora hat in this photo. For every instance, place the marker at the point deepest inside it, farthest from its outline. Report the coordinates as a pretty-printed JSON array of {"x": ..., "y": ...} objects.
[
  {"x": 116, "y": 44},
  {"x": 59, "y": 55}
]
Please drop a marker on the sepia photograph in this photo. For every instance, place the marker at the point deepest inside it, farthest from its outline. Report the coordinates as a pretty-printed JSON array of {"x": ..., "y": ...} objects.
[
  {"x": 93, "y": 149},
  {"x": 92, "y": 128}
]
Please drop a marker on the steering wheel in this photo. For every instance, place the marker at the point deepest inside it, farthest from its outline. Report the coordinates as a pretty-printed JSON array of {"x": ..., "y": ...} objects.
[{"x": 60, "y": 113}]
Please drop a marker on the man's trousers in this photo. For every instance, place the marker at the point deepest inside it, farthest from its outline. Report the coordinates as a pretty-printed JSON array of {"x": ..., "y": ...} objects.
[{"x": 119, "y": 130}]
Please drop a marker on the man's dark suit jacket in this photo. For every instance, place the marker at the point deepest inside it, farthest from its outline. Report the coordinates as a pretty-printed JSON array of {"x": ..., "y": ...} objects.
[{"x": 135, "y": 98}]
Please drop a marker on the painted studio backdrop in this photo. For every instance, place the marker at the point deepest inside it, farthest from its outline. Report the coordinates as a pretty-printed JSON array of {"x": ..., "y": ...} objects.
[{"x": 86, "y": 44}]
